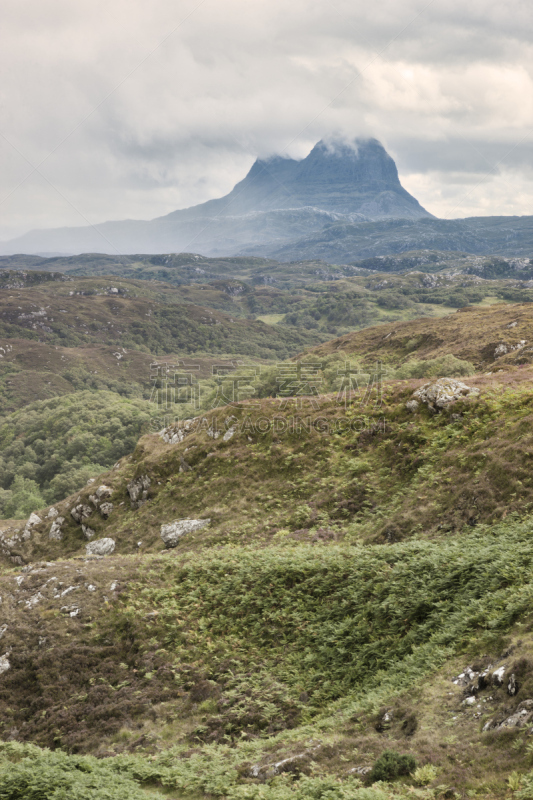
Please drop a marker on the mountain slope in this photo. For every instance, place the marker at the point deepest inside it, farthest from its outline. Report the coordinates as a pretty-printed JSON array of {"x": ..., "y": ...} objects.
[
  {"x": 343, "y": 241},
  {"x": 279, "y": 199}
]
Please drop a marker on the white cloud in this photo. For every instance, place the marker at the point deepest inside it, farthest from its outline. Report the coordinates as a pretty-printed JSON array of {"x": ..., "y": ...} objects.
[{"x": 139, "y": 108}]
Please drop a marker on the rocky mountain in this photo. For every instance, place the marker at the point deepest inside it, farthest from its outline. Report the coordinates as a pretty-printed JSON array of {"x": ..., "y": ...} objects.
[{"x": 280, "y": 200}]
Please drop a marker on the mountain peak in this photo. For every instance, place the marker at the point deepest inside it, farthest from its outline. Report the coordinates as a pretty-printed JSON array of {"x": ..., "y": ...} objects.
[{"x": 357, "y": 177}]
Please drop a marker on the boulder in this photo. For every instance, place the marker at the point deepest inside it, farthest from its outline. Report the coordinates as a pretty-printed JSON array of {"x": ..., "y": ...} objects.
[
  {"x": 497, "y": 677},
  {"x": 104, "y": 492},
  {"x": 4, "y": 663},
  {"x": 52, "y": 513},
  {"x": 88, "y": 532},
  {"x": 81, "y": 512},
  {"x": 100, "y": 547},
  {"x": 172, "y": 532},
  {"x": 33, "y": 520},
  {"x": 438, "y": 394},
  {"x": 55, "y": 530},
  {"x": 138, "y": 490},
  {"x": 106, "y": 509}
]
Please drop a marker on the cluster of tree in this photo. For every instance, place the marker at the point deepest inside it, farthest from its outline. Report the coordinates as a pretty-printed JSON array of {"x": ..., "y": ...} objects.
[{"x": 50, "y": 449}]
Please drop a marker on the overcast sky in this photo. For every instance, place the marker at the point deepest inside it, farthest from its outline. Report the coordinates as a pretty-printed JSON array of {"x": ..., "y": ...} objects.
[{"x": 133, "y": 108}]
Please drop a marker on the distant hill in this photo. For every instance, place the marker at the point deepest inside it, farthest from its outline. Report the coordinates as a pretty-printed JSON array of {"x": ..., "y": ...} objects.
[
  {"x": 281, "y": 199},
  {"x": 491, "y": 338},
  {"x": 345, "y": 241}
]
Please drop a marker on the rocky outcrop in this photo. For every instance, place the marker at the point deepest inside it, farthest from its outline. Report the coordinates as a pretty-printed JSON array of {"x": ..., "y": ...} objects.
[
  {"x": 55, "y": 533},
  {"x": 172, "y": 532},
  {"x": 521, "y": 718},
  {"x": 100, "y": 547},
  {"x": 438, "y": 394},
  {"x": 175, "y": 434},
  {"x": 138, "y": 490},
  {"x": 105, "y": 509},
  {"x": 80, "y": 513},
  {"x": 32, "y": 521}
]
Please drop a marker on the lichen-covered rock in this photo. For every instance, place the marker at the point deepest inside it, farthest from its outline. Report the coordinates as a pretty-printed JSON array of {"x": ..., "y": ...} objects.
[
  {"x": 439, "y": 393},
  {"x": 138, "y": 490},
  {"x": 52, "y": 513},
  {"x": 88, "y": 532},
  {"x": 4, "y": 663},
  {"x": 412, "y": 405},
  {"x": 100, "y": 547},
  {"x": 172, "y": 532},
  {"x": 81, "y": 512},
  {"x": 104, "y": 492},
  {"x": 56, "y": 533},
  {"x": 33, "y": 520},
  {"x": 106, "y": 509}
]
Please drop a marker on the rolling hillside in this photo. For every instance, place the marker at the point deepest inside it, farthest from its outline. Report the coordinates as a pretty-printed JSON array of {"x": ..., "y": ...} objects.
[{"x": 353, "y": 572}]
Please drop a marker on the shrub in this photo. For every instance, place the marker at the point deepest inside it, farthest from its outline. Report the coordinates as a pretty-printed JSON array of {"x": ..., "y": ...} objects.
[
  {"x": 444, "y": 366},
  {"x": 424, "y": 775},
  {"x": 391, "y": 765}
]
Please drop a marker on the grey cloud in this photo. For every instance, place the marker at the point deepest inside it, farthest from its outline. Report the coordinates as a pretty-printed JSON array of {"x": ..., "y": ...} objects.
[{"x": 447, "y": 89}]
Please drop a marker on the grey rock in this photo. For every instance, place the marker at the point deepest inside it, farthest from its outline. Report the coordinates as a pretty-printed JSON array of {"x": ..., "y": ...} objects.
[
  {"x": 497, "y": 677},
  {"x": 230, "y": 433},
  {"x": 88, "y": 532},
  {"x": 106, "y": 509},
  {"x": 100, "y": 547},
  {"x": 291, "y": 764},
  {"x": 512, "y": 685},
  {"x": 412, "y": 405},
  {"x": 33, "y": 520},
  {"x": 175, "y": 434},
  {"x": 52, "y": 513},
  {"x": 81, "y": 512},
  {"x": 138, "y": 490},
  {"x": 172, "y": 532},
  {"x": 4, "y": 663},
  {"x": 104, "y": 492},
  {"x": 440, "y": 393},
  {"x": 522, "y": 717},
  {"x": 56, "y": 533}
]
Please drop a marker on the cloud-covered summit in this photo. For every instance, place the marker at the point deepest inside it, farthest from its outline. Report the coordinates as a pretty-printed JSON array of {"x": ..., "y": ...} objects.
[
  {"x": 279, "y": 199},
  {"x": 356, "y": 177}
]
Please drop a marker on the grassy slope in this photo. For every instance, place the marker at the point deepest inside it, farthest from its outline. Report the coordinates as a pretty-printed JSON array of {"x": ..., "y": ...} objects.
[
  {"x": 290, "y": 621},
  {"x": 471, "y": 334},
  {"x": 342, "y": 575}
]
